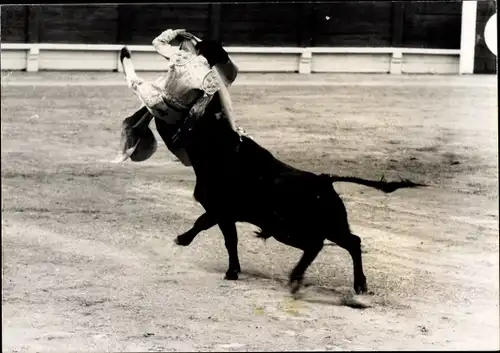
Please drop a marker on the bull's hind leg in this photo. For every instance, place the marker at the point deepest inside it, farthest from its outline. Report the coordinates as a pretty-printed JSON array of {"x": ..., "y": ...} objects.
[
  {"x": 352, "y": 243},
  {"x": 230, "y": 233},
  {"x": 204, "y": 222},
  {"x": 297, "y": 275}
]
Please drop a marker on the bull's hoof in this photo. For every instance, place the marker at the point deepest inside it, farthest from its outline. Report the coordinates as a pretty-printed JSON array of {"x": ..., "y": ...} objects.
[
  {"x": 182, "y": 241},
  {"x": 360, "y": 287},
  {"x": 124, "y": 53},
  {"x": 295, "y": 285},
  {"x": 231, "y": 275}
]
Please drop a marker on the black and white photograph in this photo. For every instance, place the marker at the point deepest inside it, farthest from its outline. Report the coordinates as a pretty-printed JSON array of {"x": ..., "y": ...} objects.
[{"x": 250, "y": 176}]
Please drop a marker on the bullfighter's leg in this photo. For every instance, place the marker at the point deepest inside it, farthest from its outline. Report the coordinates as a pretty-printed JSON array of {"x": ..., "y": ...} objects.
[
  {"x": 204, "y": 222},
  {"x": 147, "y": 93},
  {"x": 297, "y": 275},
  {"x": 352, "y": 243},
  {"x": 128, "y": 68},
  {"x": 231, "y": 241}
]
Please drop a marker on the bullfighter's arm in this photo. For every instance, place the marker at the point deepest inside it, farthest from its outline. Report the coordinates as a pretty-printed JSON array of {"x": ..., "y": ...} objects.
[
  {"x": 162, "y": 42},
  {"x": 228, "y": 71},
  {"x": 217, "y": 57}
]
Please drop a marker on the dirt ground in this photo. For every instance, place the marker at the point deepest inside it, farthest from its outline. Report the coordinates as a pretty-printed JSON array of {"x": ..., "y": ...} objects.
[{"x": 89, "y": 263}]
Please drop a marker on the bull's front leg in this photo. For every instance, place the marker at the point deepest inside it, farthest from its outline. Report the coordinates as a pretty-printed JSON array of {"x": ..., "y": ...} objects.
[
  {"x": 297, "y": 275},
  {"x": 204, "y": 222},
  {"x": 231, "y": 241}
]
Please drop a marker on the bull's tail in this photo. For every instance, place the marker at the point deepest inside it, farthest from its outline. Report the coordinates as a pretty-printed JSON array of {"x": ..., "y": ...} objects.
[{"x": 382, "y": 184}]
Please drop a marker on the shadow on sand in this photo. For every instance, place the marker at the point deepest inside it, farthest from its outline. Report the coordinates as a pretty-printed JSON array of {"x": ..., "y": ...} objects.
[{"x": 311, "y": 292}]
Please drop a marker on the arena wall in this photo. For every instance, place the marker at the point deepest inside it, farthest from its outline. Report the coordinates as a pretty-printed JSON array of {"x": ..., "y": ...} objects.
[{"x": 379, "y": 37}]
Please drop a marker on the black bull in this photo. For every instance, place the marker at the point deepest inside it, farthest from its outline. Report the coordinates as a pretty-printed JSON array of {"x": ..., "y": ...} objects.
[{"x": 237, "y": 180}]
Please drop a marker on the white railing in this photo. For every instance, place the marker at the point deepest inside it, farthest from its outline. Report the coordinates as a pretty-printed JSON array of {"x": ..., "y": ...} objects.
[{"x": 44, "y": 56}]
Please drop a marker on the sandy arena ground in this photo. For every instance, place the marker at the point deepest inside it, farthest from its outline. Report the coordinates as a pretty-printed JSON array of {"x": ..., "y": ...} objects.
[{"x": 89, "y": 263}]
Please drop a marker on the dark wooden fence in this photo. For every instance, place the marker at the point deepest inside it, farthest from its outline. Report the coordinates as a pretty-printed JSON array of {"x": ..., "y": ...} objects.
[
  {"x": 337, "y": 24},
  {"x": 484, "y": 60}
]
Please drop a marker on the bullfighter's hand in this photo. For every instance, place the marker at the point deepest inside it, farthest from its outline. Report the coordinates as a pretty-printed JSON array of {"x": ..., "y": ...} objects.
[
  {"x": 170, "y": 34},
  {"x": 186, "y": 35}
]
